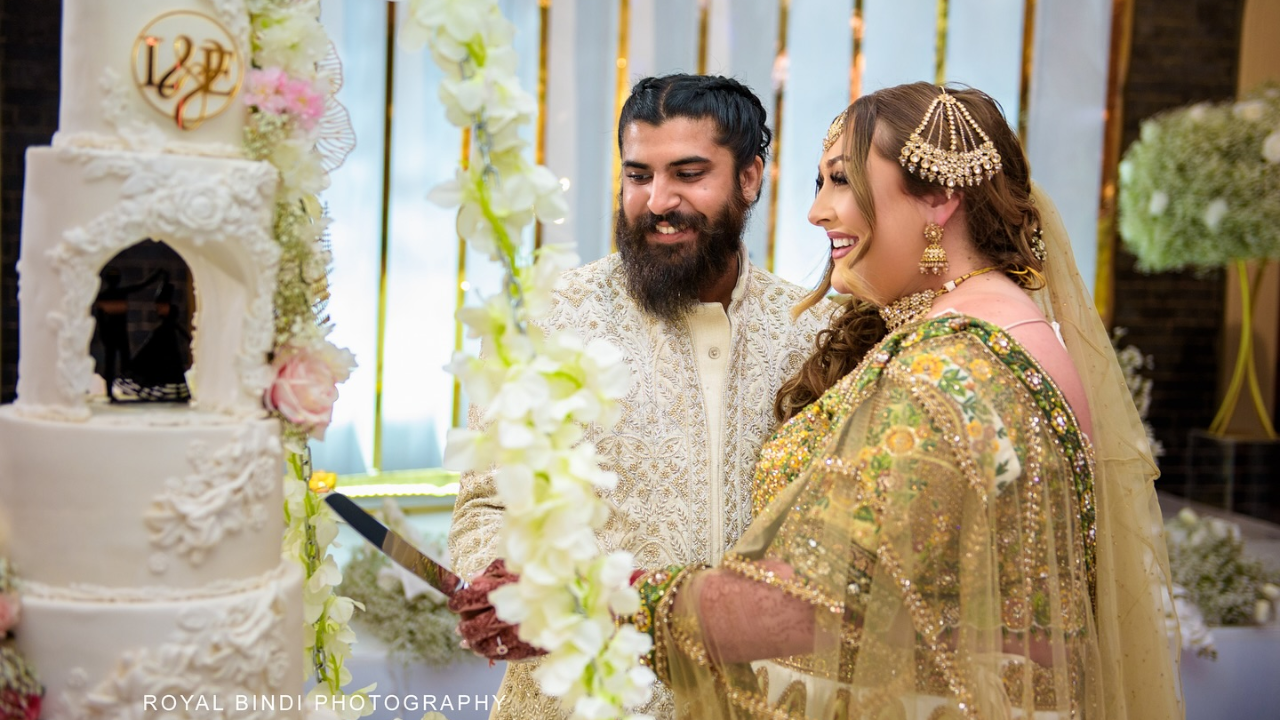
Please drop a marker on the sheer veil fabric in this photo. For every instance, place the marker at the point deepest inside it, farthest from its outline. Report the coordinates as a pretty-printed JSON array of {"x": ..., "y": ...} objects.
[
  {"x": 952, "y": 552},
  {"x": 1134, "y": 588}
]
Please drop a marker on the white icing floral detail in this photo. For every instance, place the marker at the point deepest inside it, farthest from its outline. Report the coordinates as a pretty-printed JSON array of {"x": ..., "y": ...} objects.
[
  {"x": 226, "y": 492},
  {"x": 135, "y": 132},
  {"x": 222, "y": 651},
  {"x": 234, "y": 16},
  {"x": 228, "y": 203}
]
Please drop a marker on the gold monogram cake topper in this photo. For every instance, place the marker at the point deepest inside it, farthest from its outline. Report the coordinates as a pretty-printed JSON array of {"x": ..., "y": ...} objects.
[{"x": 187, "y": 67}]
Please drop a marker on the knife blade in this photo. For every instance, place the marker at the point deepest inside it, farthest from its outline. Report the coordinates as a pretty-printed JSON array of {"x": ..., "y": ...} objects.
[{"x": 395, "y": 547}]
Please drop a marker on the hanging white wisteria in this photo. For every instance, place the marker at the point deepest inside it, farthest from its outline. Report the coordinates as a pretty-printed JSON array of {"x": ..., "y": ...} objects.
[{"x": 537, "y": 389}]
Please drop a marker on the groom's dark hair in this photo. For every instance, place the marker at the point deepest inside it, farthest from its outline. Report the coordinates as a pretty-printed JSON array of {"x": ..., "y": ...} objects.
[{"x": 737, "y": 112}]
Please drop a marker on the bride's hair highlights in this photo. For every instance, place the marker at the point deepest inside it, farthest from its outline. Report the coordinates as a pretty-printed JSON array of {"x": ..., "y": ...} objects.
[{"x": 1000, "y": 215}]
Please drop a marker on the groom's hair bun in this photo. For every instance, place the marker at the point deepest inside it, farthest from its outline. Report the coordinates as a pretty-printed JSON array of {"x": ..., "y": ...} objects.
[{"x": 738, "y": 113}]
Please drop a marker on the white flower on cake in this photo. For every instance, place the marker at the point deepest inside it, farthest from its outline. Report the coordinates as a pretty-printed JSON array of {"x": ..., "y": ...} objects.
[
  {"x": 301, "y": 169},
  {"x": 288, "y": 36}
]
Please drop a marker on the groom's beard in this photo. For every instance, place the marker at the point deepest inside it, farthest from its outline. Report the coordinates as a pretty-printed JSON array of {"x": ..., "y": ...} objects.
[{"x": 666, "y": 279}]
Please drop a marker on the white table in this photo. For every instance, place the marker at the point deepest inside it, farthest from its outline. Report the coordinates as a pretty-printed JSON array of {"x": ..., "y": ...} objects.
[{"x": 1243, "y": 683}]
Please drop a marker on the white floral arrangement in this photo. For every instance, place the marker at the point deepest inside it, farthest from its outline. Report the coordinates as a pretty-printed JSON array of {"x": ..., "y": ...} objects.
[
  {"x": 1200, "y": 188},
  {"x": 296, "y": 123},
  {"x": 1215, "y": 584},
  {"x": 1132, "y": 362},
  {"x": 537, "y": 389}
]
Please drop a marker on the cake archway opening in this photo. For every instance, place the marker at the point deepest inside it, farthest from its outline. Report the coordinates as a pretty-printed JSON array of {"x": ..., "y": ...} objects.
[{"x": 143, "y": 325}]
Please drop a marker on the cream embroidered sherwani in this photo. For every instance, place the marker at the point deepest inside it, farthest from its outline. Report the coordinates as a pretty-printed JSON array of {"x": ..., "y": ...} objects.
[{"x": 699, "y": 408}]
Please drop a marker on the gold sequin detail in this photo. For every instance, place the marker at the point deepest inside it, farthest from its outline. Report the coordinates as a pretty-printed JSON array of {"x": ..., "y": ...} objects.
[{"x": 794, "y": 587}]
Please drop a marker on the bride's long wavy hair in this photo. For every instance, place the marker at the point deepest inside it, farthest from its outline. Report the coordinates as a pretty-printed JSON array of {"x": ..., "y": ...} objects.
[{"x": 1000, "y": 216}]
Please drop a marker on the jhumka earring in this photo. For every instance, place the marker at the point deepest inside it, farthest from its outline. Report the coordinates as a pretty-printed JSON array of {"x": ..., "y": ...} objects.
[
  {"x": 969, "y": 158},
  {"x": 934, "y": 260}
]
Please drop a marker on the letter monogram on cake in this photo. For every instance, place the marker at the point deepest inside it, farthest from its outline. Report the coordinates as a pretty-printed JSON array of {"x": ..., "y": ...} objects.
[{"x": 187, "y": 67}]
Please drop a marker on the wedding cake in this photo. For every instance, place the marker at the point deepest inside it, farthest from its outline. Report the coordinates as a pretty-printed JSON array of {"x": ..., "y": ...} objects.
[{"x": 148, "y": 538}]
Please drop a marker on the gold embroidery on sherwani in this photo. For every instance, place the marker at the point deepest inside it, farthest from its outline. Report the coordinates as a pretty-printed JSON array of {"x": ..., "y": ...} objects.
[{"x": 662, "y": 503}]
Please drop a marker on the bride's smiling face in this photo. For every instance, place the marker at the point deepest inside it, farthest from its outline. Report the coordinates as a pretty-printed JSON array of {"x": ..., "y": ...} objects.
[{"x": 875, "y": 245}]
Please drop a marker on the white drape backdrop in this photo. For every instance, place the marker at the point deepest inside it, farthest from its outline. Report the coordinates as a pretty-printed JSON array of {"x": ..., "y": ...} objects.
[{"x": 984, "y": 48}]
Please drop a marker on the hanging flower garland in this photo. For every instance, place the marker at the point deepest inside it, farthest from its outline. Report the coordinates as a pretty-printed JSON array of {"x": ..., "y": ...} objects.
[
  {"x": 296, "y": 124},
  {"x": 538, "y": 390}
]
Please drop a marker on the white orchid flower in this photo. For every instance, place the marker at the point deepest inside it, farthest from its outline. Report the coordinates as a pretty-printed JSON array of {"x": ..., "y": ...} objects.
[
  {"x": 560, "y": 670},
  {"x": 537, "y": 390}
]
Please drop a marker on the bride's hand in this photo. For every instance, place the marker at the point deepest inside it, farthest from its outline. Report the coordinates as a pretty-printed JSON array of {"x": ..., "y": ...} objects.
[{"x": 479, "y": 625}]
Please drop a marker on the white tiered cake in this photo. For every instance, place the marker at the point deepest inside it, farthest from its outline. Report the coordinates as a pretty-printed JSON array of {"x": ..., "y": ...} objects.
[{"x": 148, "y": 540}]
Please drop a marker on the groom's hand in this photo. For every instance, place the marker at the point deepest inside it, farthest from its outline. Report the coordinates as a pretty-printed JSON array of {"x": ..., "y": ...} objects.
[{"x": 479, "y": 626}]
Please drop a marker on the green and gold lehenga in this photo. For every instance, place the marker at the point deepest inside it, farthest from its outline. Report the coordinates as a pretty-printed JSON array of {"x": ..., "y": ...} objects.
[{"x": 936, "y": 538}]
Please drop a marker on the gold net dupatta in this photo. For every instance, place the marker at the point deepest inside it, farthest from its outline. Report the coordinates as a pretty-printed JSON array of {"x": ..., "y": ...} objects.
[{"x": 936, "y": 559}]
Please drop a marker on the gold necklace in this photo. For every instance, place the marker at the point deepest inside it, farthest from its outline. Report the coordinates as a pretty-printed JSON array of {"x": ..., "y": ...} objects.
[{"x": 914, "y": 306}]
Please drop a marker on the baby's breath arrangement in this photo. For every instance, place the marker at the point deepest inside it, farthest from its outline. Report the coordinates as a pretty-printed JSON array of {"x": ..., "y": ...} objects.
[
  {"x": 1200, "y": 188},
  {"x": 1207, "y": 558},
  {"x": 418, "y": 629},
  {"x": 1132, "y": 362}
]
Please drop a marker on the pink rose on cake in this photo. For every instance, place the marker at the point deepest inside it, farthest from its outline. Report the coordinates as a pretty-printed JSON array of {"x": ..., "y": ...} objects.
[{"x": 306, "y": 383}]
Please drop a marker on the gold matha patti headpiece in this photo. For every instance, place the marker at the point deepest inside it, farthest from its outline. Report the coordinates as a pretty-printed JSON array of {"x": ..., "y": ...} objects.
[
  {"x": 834, "y": 131},
  {"x": 965, "y": 162}
]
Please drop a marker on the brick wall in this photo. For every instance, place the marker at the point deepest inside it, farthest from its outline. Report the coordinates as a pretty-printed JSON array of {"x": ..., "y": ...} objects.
[
  {"x": 1182, "y": 51},
  {"x": 30, "y": 34}
]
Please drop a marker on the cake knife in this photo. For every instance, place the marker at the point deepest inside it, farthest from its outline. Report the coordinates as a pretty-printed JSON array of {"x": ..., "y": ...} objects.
[{"x": 395, "y": 547}]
